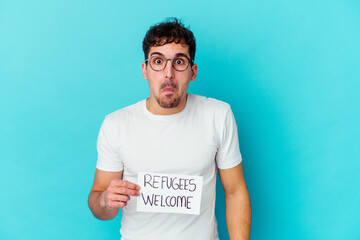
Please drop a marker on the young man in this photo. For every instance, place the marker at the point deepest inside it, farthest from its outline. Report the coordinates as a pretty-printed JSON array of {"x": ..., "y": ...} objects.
[{"x": 171, "y": 132}]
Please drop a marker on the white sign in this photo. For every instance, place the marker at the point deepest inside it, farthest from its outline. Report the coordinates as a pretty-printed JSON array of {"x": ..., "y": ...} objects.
[{"x": 169, "y": 193}]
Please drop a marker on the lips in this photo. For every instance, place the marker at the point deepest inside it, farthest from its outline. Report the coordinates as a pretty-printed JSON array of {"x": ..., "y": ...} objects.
[{"x": 168, "y": 90}]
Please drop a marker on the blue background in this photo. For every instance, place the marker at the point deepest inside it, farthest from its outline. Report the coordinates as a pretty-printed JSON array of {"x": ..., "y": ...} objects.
[{"x": 289, "y": 69}]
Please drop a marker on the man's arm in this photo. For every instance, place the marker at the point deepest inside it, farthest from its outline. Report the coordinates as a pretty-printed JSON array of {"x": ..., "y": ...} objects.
[
  {"x": 109, "y": 193},
  {"x": 237, "y": 202}
]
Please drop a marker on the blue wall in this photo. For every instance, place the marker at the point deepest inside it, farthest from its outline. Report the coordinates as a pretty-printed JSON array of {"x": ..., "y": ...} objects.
[{"x": 289, "y": 69}]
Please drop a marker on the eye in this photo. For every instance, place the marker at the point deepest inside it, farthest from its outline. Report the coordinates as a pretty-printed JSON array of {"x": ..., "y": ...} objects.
[
  {"x": 157, "y": 60},
  {"x": 179, "y": 61}
]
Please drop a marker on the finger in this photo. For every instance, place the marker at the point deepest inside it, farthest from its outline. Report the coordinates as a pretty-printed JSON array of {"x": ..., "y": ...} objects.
[
  {"x": 119, "y": 197},
  {"x": 117, "y": 204},
  {"x": 127, "y": 191},
  {"x": 122, "y": 191},
  {"x": 126, "y": 184}
]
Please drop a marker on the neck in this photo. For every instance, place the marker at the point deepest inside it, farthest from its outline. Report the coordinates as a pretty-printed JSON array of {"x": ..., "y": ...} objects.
[{"x": 153, "y": 107}]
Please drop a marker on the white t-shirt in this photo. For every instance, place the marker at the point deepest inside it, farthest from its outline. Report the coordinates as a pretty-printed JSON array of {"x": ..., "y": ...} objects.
[{"x": 194, "y": 141}]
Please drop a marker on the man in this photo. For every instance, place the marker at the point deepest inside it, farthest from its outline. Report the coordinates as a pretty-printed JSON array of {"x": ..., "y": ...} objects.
[{"x": 171, "y": 132}]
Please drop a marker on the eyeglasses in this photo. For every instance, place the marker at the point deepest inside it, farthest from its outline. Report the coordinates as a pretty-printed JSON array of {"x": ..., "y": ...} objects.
[{"x": 158, "y": 62}]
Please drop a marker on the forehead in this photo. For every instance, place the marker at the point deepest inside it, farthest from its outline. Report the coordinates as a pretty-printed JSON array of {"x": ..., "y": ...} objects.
[{"x": 170, "y": 49}]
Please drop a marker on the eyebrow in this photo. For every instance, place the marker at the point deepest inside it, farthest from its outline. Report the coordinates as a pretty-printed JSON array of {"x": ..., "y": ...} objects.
[{"x": 176, "y": 55}]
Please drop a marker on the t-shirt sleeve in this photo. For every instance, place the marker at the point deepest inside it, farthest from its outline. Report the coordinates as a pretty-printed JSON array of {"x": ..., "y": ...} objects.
[
  {"x": 228, "y": 154},
  {"x": 108, "y": 159}
]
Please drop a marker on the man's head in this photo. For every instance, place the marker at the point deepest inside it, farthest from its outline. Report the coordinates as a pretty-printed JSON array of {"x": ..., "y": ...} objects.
[
  {"x": 169, "y": 31},
  {"x": 169, "y": 50}
]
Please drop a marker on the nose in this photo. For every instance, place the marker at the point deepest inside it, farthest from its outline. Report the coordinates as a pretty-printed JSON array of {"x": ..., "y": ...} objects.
[{"x": 169, "y": 70}]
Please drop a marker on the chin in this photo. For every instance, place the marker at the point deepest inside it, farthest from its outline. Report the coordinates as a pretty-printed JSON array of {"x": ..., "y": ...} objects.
[{"x": 167, "y": 102}]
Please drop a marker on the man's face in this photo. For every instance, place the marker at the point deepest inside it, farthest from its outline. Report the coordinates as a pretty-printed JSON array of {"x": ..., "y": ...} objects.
[{"x": 169, "y": 86}]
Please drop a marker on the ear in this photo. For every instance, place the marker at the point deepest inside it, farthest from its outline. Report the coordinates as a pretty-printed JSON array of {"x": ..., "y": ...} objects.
[
  {"x": 193, "y": 72},
  {"x": 144, "y": 70}
]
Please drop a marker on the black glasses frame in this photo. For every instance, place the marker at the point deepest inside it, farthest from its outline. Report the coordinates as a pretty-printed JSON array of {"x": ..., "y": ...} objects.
[{"x": 190, "y": 62}]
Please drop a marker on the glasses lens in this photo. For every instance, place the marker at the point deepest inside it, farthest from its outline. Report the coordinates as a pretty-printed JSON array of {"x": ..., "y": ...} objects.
[
  {"x": 157, "y": 62},
  {"x": 180, "y": 63}
]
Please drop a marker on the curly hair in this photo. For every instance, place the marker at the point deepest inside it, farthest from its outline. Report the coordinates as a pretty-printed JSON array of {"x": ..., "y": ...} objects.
[{"x": 169, "y": 31}]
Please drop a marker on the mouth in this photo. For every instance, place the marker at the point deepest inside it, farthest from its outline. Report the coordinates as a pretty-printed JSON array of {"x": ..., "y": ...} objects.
[{"x": 168, "y": 90}]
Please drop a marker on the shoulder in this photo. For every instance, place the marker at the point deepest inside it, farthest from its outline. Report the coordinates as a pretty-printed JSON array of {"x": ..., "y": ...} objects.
[
  {"x": 124, "y": 114},
  {"x": 211, "y": 105}
]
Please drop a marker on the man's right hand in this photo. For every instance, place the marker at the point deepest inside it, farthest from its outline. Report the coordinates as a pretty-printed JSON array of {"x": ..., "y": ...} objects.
[
  {"x": 118, "y": 193},
  {"x": 109, "y": 193}
]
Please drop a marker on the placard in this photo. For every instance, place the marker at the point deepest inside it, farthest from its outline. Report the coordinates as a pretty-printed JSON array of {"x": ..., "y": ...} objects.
[{"x": 169, "y": 193}]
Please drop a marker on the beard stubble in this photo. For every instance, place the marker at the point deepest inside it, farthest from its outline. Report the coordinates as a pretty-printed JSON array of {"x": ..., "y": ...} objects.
[{"x": 169, "y": 102}]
